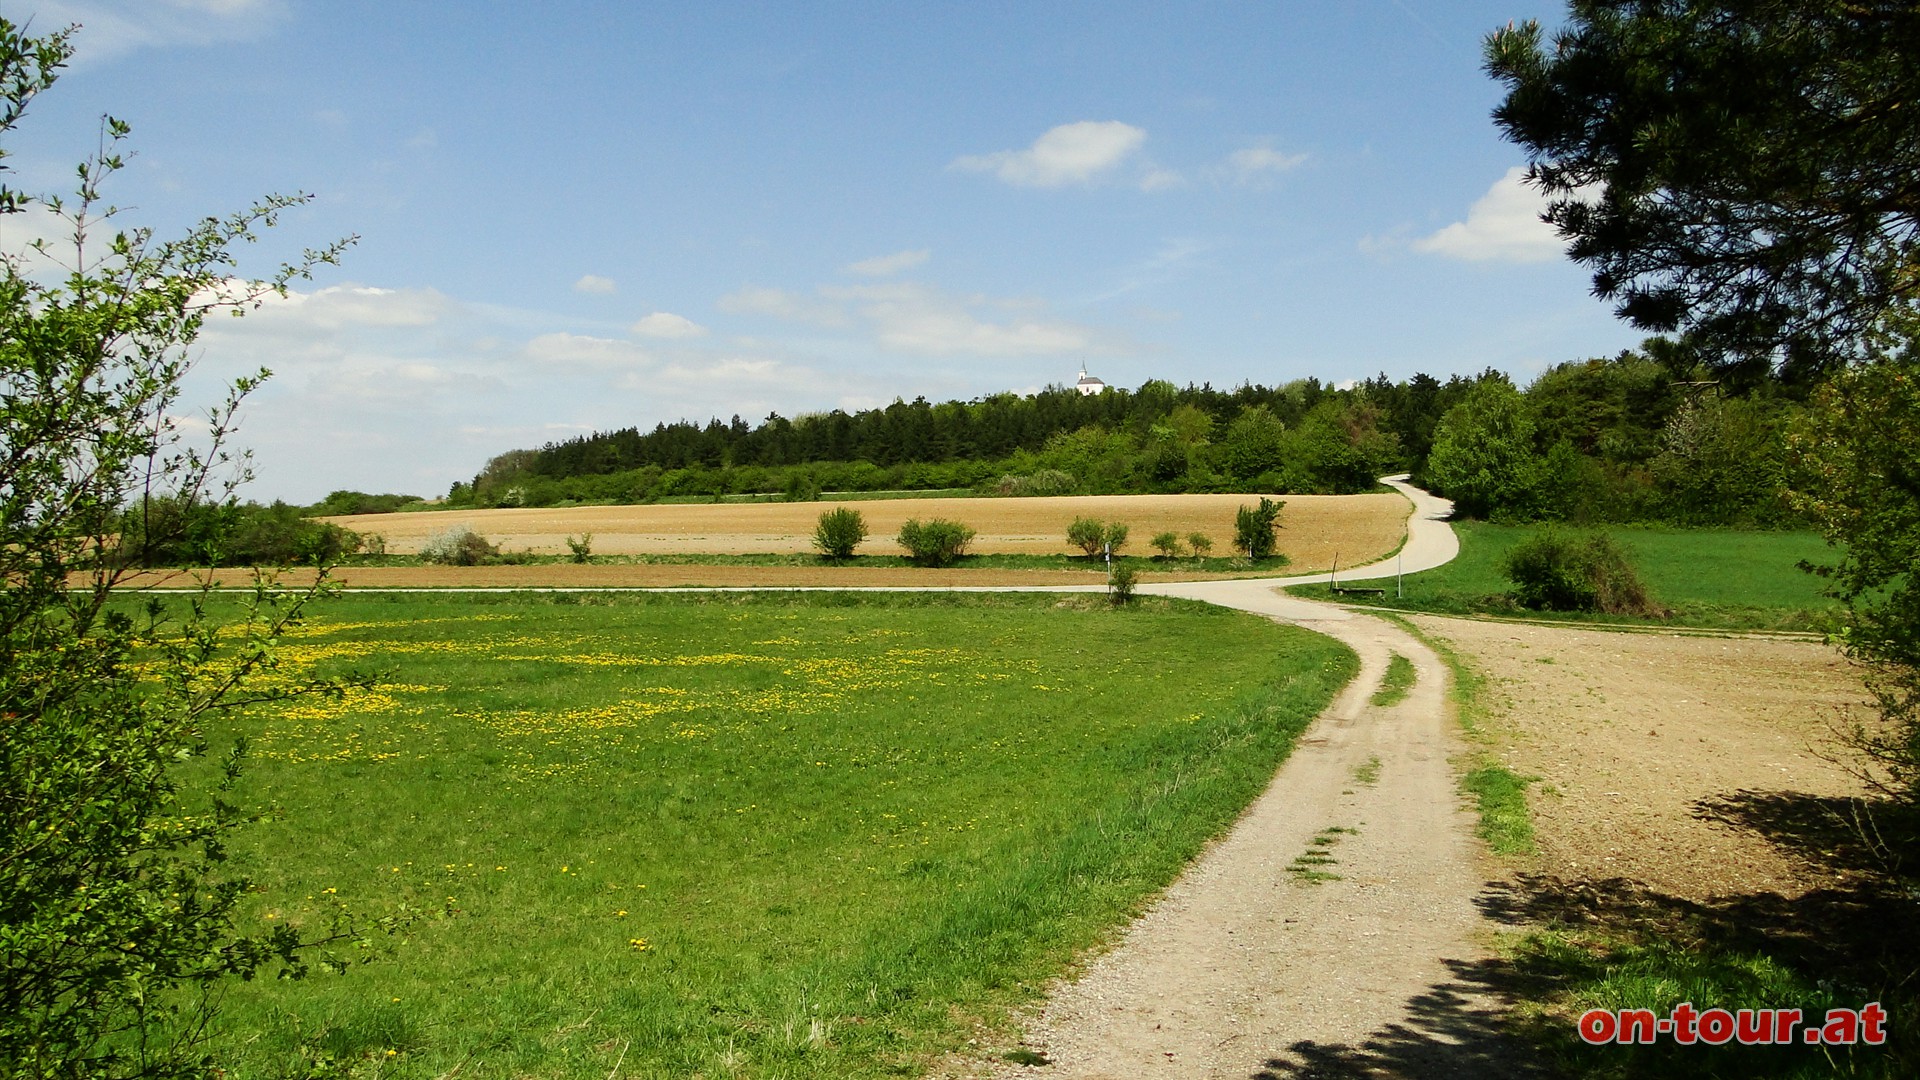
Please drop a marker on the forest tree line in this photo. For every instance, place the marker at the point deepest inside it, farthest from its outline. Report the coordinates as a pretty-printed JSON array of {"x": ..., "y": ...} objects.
[{"x": 1635, "y": 437}]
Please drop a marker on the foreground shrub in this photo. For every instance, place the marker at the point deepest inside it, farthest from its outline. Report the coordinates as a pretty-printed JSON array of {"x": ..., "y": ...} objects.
[
  {"x": 937, "y": 542},
  {"x": 457, "y": 546},
  {"x": 1120, "y": 585},
  {"x": 1554, "y": 570},
  {"x": 1094, "y": 536},
  {"x": 840, "y": 531},
  {"x": 1254, "y": 528}
]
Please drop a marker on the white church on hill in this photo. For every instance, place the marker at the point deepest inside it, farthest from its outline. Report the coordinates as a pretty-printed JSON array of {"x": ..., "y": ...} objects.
[{"x": 1088, "y": 385}]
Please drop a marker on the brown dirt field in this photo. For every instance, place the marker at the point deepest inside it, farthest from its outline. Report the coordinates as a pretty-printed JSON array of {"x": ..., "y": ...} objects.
[
  {"x": 1314, "y": 528},
  {"x": 602, "y": 576},
  {"x": 1647, "y": 745}
]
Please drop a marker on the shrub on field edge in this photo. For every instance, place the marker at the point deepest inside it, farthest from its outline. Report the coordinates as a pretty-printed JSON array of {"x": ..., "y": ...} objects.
[
  {"x": 1167, "y": 544},
  {"x": 840, "y": 531},
  {"x": 1553, "y": 570},
  {"x": 457, "y": 546},
  {"x": 1253, "y": 528},
  {"x": 1200, "y": 542},
  {"x": 935, "y": 542},
  {"x": 1094, "y": 536},
  {"x": 1120, "y": 585},
  {"x": 582, "y": 548}
]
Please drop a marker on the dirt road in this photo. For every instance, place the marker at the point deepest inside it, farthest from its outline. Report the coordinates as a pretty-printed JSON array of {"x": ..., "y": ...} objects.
[{"x": 1332, "y": 908}]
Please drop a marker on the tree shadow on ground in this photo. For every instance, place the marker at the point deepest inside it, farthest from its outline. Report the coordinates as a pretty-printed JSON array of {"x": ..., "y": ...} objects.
[{"x": 1857, "y": 936}]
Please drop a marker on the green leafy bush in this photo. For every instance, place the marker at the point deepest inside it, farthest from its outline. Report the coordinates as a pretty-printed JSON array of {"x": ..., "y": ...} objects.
[
  {"x": 1094, "y": 536},
  {"x": 1167, "y": 543},
  {"x": 457, "y": 546},
  {"x": 840, "y": 531},
  {"x": 1254, "y": 527},
  {"x": 1120, "y": 586},
  {"x": 1554, "y": 570},
  {"x": 935, "y": 542},
  {"x": 581, "y": 549},
  {"x": 1040, "y": 482},
  {"x": 1200, "y": 542}
]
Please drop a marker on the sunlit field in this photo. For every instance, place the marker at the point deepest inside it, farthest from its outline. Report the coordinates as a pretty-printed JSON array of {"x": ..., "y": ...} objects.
[{"x": 828, "y": 835}]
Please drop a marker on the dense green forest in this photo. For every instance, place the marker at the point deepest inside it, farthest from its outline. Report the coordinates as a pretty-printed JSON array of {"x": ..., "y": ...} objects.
[{"x": 1635, "y": 437}]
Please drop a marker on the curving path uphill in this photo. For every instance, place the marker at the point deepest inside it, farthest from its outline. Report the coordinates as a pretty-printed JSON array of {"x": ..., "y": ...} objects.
[{"x": 1249, "y": 965}]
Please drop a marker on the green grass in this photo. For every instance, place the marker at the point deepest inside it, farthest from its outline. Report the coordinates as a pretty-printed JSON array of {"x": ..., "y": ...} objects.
[
  {"x": 1396, "y": 684},
  {"x": 1709, "y": 577},
  {"x": 1627, "y": 964},
  {"x": 831, "y": 835}
]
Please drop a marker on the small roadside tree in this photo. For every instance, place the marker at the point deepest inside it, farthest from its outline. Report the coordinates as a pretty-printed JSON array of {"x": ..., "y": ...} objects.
[
  {"x": 1254, "y": 528},
  {"x": 117, "y": 906}
]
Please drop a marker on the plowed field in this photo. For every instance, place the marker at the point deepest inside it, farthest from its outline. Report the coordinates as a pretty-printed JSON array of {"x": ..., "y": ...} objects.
[{"x": 1314, "y": 528}]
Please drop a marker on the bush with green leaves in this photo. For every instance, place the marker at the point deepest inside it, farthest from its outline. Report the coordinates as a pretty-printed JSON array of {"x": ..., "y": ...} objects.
[
  {"x": 1121, "y": 583},
  {"x": 119, "y": 909},
  {"x": 1039, "y": 482},
  {"x": 1167, "y": 544},
  {"x": 839, "y": 531},
  {"x": 1200, "y": 542},
  {"x": 457, "y": 545},
  {"x": 581, "y": 549},
  {"x": 935, "y": 542},
  {"x": 1554, "y": 570},
  {"x": 1094, "y": 536},
  {"x": 1254, "y": 528}
]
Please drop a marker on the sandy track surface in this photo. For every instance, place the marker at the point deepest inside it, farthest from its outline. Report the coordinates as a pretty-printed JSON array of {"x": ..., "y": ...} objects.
[
  {"x": 1248, "y": 966},
  {"x": 1314, "y": 528},
  {"x": 1252, "y": 966}
]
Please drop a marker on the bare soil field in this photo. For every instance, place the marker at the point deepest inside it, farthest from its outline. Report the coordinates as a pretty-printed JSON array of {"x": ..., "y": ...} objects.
[
  {"x": 618, "y": 576},
  {"x": 1314, "y": 528},
  {"x": 1657, "y": 753}
]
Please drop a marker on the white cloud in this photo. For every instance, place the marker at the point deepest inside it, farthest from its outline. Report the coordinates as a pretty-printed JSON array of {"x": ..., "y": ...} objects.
[
  {"x": 338, "y": 306},
  {"x": 781, "y": 304},
  {"x": 1074, "y": 153},
  {"x": 1159, "y": 179},
  {"x": 585, "y": 351},
  {"x": 665, "y": 324},
  {"x": 594, "y": 285},
  {"x": 883, "y": 265},
  {"x": 110, "y": 29},
  {"x": 1503, "y": 226},
  {"x": 920, "y": 319},
  {"x": 1257, "y": 164}
]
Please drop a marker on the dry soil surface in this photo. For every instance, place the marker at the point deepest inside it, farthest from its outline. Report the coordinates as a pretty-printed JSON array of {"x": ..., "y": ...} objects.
[
  {"x": 1315, "y": 529},
  {"x": 1642, "y": 742}
]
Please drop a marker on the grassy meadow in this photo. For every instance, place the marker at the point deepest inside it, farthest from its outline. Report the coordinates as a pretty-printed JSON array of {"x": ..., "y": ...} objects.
[
  {"x": 832, "y": 835},
  {"x": 1709, "y": 577}
]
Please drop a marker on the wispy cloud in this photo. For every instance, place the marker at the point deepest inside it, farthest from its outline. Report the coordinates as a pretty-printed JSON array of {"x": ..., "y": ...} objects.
[
  {"x": 1076, "y": 153},
  {"x": 111, "y": 29},
  {"x": 594, "y": 285},
  {"x": 1255, "y": 165},
  {"x": 921, "y": 319},
  {"x": 884, "y": 265},
  {"x": 781, "y": 304},
  {"x": 1504, "y": 225},
  {"x": 665, "y": 324}
]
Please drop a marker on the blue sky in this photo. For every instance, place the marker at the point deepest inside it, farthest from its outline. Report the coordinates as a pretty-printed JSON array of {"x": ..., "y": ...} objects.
[{"x": 580, "y": 216}]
